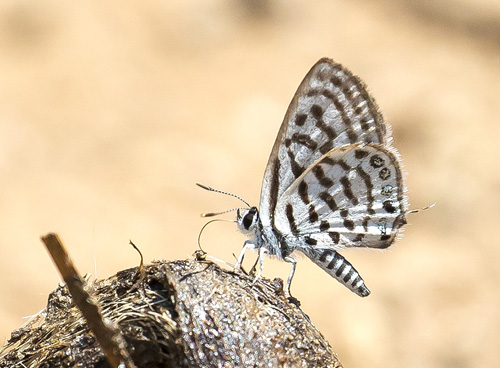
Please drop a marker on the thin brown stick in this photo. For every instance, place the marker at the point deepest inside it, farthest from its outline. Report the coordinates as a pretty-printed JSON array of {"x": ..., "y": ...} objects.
[
  {"x": 140, "y": 270},
  {"x": 108, "y": 337}
]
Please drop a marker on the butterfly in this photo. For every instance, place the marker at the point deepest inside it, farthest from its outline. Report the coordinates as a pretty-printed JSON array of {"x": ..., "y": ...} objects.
[{"x": 333, "y": 179}]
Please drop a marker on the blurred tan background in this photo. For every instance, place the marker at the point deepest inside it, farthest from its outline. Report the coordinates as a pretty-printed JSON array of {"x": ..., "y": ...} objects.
[{"x": 109, "y": 113}]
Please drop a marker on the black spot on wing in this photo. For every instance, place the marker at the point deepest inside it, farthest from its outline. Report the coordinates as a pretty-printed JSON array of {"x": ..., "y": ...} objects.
[
  {"x": 336, "y": 81},
  {"x": 360, "y": 154},
  {"x": 385, "y": 173},
  {"x": 328, "y": 161},
  {"x": 388, "y": 207},
  {"x": 335, "y": 236},
  {"x": 310, "y": 241},
  {"x": 328, "y": 199},
  {"x": 317, "y": 113},
  {"x": 346, "y": 184},
  {"x": 326, "y": 147},
  {"x": 358, "y": 238},
  {"x": 365, "y": 223},
  {"x": 302, "y": 189},
  {"x": 291, "y": 218},
  {"x": 369, "y": 188},
  {"x": 353, "y": 137},
  {"x": 274, "y": 187},
  {"x": 297, "y": 170},
  {"x": 313, "y": 215},
  {"x": 319, "y": 173},
  {"x": 349, "y": 224},
  {"x": 376, "y": 161},
  {"x": 343, "y": 165},
  {"x": 300, "y": 119},
  {"x": 365, "y": 123},
  {"x": 304, "y": 140}
]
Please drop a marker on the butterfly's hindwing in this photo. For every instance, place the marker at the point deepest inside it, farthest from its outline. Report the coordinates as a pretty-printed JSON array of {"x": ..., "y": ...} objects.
[{"x": 350, "y": 197}]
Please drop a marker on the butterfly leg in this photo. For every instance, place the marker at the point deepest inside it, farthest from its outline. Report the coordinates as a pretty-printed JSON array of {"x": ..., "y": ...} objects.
[
  {"x": 262, "y": 252},
  {"x": 293, "y": 261},
  {"x": 247, "y": 245}
]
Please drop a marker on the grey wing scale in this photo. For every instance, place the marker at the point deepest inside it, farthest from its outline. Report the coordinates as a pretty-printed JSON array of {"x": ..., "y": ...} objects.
[
  {"x": 351, "y": 197},
  {"x": 331, "y": 108}
]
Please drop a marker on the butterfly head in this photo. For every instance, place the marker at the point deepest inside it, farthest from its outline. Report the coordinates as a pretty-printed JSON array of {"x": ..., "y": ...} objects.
[{"x": 247, "y": 220}]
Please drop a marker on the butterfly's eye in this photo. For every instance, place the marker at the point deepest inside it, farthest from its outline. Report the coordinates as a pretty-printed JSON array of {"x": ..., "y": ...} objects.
[{"x": 249, "y": 219}]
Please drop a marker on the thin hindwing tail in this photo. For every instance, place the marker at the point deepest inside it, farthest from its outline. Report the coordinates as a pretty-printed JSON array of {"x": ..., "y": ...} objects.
[{"x": 340, "y": 269}]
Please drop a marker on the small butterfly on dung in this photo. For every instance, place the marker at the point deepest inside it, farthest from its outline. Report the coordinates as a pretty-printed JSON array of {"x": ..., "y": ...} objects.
[{"x": 333, "y": 180}]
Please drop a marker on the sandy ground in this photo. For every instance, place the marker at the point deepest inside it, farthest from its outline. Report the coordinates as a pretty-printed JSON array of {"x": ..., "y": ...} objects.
[{"x": 110, "y": 113}]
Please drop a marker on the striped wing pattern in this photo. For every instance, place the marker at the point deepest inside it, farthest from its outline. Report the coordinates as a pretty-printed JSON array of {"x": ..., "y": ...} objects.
[{"x": 332, "y": 180}]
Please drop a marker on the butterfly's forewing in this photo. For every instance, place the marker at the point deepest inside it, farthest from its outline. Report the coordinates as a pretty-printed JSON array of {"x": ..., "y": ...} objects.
[
  {"x": 350, "y": 197},
  {"x": 330, "y": 109}
]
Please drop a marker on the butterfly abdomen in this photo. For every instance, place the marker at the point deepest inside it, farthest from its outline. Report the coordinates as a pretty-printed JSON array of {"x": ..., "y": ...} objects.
[{"x": 340, "y": 269}]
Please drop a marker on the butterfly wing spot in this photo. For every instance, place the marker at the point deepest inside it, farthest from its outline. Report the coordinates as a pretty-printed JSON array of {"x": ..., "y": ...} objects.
[
  {"x": 303, "y": 192},
  {"x": 297, "y": 170},
  {"x": 311, "y": 241},
  {"x": 358, "y": 238},
  {"x": 326, "y": 147},
  {"x": 384, "y": 174},
  {"x": 376, "y": 161},
  {"x": 389, "y": 207},
  {"x": 346, "y": 184},
  {"x": 336, "y": 81},
  {"x": 324, "y": 226},
  {"x": 313, "y": 215},
  {"x": 360, "y": 154},
  {"x": 349, "y": 224},
  {"x": 317, "y": 112},
  {"x": 329, "y": 200},
  {"x": 364, "y": 223},
  {"x": 334, "y": 236},
  {"x": 291, "y": 218},
  {"x": 304, "y": 140},
  {"x": 387, "y": 190},
  {"x": 321, "y": 177},
  {"x": 300, "y": 119}
]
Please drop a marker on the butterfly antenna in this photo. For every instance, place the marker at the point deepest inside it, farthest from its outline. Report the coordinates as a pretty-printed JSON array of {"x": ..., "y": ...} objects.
[
  {"x": 210, "y": 189},
  {"x": 211, "y": 214}
]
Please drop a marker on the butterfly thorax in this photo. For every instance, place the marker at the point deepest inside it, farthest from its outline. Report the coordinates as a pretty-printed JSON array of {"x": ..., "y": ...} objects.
[{"x": 249, "y": 222}]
